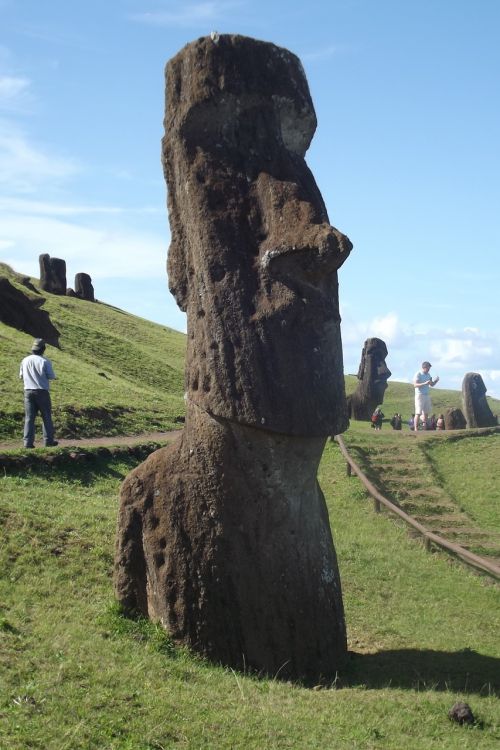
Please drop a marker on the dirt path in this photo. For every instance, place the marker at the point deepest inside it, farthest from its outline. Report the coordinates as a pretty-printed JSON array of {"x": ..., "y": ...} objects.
[{"x": 153, "y": 437}]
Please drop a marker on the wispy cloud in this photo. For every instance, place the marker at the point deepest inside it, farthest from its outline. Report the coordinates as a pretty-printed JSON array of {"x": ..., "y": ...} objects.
[
  {"x": 323, "y": 53},
  {"x": 453, "y": 352},
  {"x": 23, "y": 166},
  {"x": 10, "y": 87},
  {"x": 188, "y": 14},
  {"x": 34, "y": 207},
  {"x": 101, "y": 252}
]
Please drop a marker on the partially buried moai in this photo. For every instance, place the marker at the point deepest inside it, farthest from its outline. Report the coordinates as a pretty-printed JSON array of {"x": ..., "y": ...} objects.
[
  {"x": 224, "y": 536},
  {"x": 373, "y": 375},
  {"x": 476, "y": 408}
]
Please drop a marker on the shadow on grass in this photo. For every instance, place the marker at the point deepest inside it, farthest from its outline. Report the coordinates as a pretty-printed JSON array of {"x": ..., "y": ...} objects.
[{"x": 464, "y": 671}]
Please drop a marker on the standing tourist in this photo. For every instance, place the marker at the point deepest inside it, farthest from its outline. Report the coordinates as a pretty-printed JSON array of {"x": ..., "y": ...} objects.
[
  {"x": 36, "y": 371},
  {"x": 422, "y": 382}
]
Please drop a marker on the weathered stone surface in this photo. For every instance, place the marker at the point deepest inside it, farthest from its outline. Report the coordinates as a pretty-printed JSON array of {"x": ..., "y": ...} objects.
[
  {"x": 461, "y": 713},
  {"x": 52, "y": 274},
  {"x": 225, "y": 537},
  {"x": 253, "y": 258},
  {"x": 454, "y": 419},
  {"x": 70, "y": 292},
  {"x": 373, "y": 374},
  {"x": 476, "y": 408},
  {"x": 83, "y": 287},
  {"x": 24, "y": 313}
]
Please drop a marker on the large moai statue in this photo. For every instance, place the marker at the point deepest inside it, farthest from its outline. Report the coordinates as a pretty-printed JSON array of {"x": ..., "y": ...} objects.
[
  {"x": 476, "y": 408},
  {"x": 224, "y": 536},
  {"x": 83, "y": 287},
  {"x": 373, "y": 375},
  {"x": 52, "y": 274}
]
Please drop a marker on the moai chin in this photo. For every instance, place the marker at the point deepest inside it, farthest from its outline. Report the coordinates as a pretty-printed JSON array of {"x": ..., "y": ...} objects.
[
  {"x": 224, "y": 536},
  {"x": 373, "y": 375},
  {"x": 477, "y": 411}
]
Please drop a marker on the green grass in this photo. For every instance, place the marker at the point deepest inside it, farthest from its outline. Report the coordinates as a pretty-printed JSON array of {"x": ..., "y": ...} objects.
[
  {"x": 447, "y": 481},
  {"x": 477, "y": 490},
  {"x": 116, "y": 373},
  {"x": 423, "y": 632},
  {"x": 422, "y": 628}
]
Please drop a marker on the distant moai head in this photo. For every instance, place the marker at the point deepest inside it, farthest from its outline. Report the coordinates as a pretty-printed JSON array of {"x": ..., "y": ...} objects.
[
  {"x": 454, "y": 419},
  {"x": 83, "y": 287},
  {"x": 476, "y": 407},
  {"x": 52, "y": 274},
  {"x": 253, "y": 258},
  {"x": 373, "y": 371}
]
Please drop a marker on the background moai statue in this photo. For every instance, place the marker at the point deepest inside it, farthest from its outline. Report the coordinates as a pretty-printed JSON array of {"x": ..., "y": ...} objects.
[
  {"x": 454, "y": 419},
  {"x": 52, "y": 274},
  {"x": 373, "y": 374},
  {"x": 476, "y": 408},
  {"x": 224, "y": 536},
  {"x": 83, "y": 287}
]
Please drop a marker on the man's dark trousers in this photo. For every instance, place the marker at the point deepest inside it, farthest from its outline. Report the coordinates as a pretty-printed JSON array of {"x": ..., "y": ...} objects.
[{"x": 36, "y": 401}]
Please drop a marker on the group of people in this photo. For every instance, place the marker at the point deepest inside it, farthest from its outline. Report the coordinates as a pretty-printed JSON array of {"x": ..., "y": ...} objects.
[
  {"x": 36, "y": 371},
  {"x": 422, "y": 417}
]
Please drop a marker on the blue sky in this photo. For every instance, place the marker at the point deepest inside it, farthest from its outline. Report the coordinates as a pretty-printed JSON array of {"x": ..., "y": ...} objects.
[{"x": 406, "y": 154}]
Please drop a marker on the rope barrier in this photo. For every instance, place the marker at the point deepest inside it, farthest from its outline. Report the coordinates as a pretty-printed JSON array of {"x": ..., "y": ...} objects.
[{"x": 429, "y": 537}]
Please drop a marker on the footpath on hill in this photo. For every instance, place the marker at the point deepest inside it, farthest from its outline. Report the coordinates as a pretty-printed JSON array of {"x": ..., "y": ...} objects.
[{"x": 147, "y": 437}]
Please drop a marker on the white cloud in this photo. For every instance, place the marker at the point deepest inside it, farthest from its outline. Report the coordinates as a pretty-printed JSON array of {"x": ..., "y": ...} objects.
[
  {"x": 188, "y": 14},
  {"x": 325, "y": 53},
  {"x": 24, "y": 167},
  {"x": 103, "y": 253},
  {"x": 453, "y": 352},
  {"x": 24, "y": 206},
  {"x": 11, "y": 87}
]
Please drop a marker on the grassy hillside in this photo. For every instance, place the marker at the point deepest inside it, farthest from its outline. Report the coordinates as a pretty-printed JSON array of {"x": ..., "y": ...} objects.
[
  {"x": 116, "y": 373},
  {"x": 422, "y": 628},
  {"x": 423, "y": 633},
  {"x": 120, "y": 374}
]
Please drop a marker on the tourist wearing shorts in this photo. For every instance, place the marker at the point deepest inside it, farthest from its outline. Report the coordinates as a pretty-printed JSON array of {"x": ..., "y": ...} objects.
[{"x": 423, "y": 382}]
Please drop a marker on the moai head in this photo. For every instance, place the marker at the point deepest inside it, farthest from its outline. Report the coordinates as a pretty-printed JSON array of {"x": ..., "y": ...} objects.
[
  {"x": 373, "y": 371},
  {"x": 476, "y": 407},
  {"x": 253, "y": 258},
  {"x": 52, "y": 274},
  {"x": 83, "y": 287}
]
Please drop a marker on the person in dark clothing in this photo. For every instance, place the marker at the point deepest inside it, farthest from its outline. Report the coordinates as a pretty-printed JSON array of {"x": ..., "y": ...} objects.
[{"x": 36, "y": 371}]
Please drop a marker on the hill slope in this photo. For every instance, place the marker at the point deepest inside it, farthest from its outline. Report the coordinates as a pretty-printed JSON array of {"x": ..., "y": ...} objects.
[
  {"x": 116, "y": 373},
  {"x": 120, "y": 374}
]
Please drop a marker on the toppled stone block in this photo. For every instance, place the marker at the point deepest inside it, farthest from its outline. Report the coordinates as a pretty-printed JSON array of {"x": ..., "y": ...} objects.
[
  {"x": 24, "y": 313},
  {"x": 454, "y": 419}
]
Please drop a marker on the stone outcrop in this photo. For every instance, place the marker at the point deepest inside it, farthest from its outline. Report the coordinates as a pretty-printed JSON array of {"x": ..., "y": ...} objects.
[
  {"x": 454, "y": 419},
  {"x": 476, "y": 408},
  {"x": 224, "y": 536},
  {"x": 83, "y": 287},
  {"x": 373, "y": 375},
  {"x": 52, "y": 274},
  {"x": 24, "y": 313}
]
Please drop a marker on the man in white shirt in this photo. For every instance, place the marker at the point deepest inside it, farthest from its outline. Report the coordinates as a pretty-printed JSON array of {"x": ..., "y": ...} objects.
[
  {"x": 36, "y": 371},
  {"x": 422, "y": 382}
]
